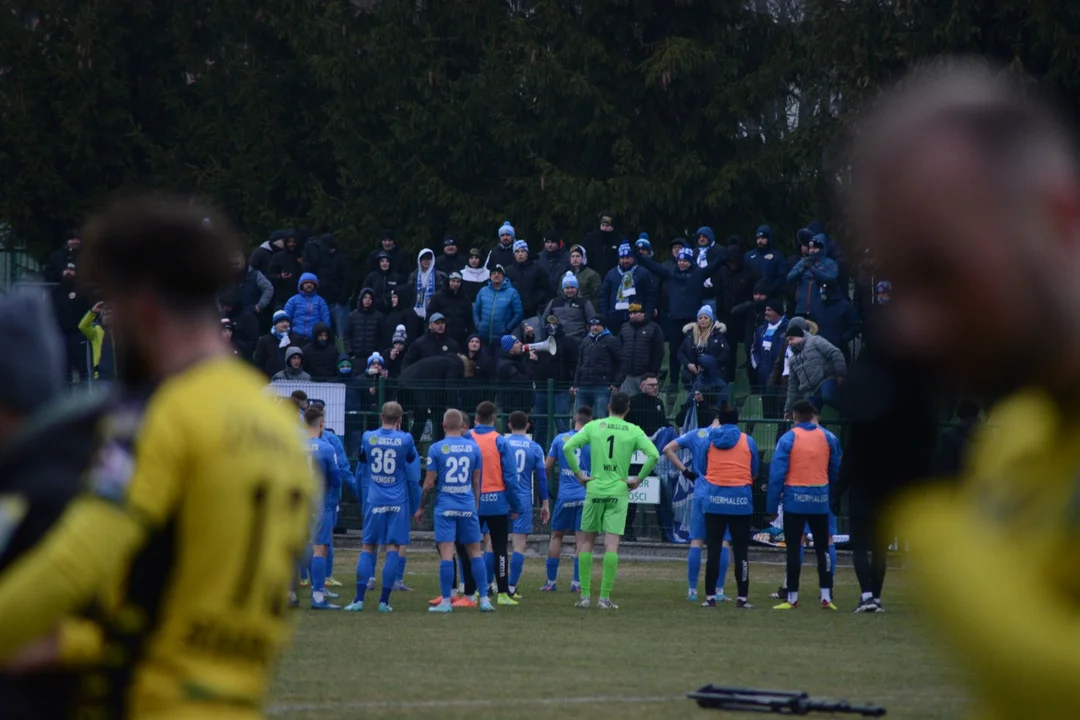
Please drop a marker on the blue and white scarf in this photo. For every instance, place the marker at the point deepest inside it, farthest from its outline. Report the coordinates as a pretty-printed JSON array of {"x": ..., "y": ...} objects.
[{"x": 425, "y": 288}]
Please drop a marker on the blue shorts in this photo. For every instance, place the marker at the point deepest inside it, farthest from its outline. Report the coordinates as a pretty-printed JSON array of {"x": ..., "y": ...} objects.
[
  {"x": 324, "y": 527},
  {"x": 567, "y": 516},
  {"x": 523, "y": 525},
  {"x": 461, "y": 526},
  {"x": 832, "y": 527},
  {"x": 697, "y": 522},
  {"x": 386, "y": 526}
]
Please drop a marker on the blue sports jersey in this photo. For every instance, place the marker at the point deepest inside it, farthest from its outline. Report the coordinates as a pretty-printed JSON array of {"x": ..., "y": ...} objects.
[
  {"x": 453, "y": 460},
  {"x": 323, "y": 461},
  {"x": 569, "y": 487},
  {"x": 498, "y": 482},
  {"x": 697, "y": 442},
  {"x": 344, "y": 468},
  {"x": 392, "y": 471},
  {"x": 529, "y": 459}
]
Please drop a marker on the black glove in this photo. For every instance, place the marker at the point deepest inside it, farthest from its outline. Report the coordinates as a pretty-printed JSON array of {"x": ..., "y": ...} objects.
[{"x": 690, "y": 474}]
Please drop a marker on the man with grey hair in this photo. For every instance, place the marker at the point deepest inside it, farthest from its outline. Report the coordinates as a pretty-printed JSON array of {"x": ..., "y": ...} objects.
[
  {"x": 969, "y": 189},
  {"x": 46, "y": 442}
]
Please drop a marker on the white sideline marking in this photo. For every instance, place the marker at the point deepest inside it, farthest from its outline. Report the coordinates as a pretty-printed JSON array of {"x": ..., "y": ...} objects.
[{"x": 285, "y": 708}]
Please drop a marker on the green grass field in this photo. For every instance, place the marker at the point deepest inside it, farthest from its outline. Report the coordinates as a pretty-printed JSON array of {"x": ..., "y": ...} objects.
[{"x": 546, "y": 659}]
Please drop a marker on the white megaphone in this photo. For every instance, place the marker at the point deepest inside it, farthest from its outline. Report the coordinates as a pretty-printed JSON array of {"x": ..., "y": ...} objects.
[{"x": 548, "y": 346}]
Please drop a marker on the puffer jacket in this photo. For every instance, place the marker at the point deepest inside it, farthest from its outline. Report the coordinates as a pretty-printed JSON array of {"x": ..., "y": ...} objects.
[
  {"x": 305, "y": 310},
  {"x": 458, "y": 310},
  {"x": 598, "y": 360},
  {"x": 532, "y": 284},
  {"x": 713, "y": 358},
  {"x": 810, "y": 273},
  {"x": 497, "y": 311},
  {"x": 573, "y": 313},
  {"x": 642, "y": 349},
  {"x": 320, "y": 360},
  {"x": 818, "y": 361},
  {"x": 364, "y": 331}
]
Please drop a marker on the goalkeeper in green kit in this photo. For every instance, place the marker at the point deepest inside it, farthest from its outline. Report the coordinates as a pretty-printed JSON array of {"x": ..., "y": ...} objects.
[{"x": 612, "y": 442}]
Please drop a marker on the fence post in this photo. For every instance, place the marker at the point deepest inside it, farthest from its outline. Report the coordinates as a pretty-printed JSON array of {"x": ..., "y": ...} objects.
[
  {"x": 550, "y": 410},
  {"x": 382, "y": 391}
]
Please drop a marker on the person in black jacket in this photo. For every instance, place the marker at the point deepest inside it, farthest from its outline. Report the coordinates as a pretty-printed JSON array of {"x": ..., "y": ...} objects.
[
  {"x": 382, "y": 281},
  {"x": 321, "y": 355},
  {"x": 59, "y": 260},
  {"x": 259, "y": 259},
  {"x": 270, "y": 350},
  {"x": 602, "y": 248},
  {"x": 400, "y": 313},
  {"x": 479, "y": 387},
  {"x": 503, "y": 252},
  {"x": 734, "y": 281},
  {"x": 704, "y": 356},
  {"x": 529, "y": 279},
  {"x": 956, "y": 440},
  {"x": 245, "y": 324},
  {"x": 335, "y": 277},
  {"x": 428, "y": 385},
  {"x": 433, "y": 343},
  {"x": 642, "y": 350},
  {"x": 559, "y": 368},
  {"x": 597, "y": 368},
  {"x": 364, "y": 333},
  {"x": 70, "y": 304},
  {"x": 394, "y": 355},
  {"x": 388, "y": 245},
  {"x": 285, "y": 269},
  {"x": 452, "y": 303},
  {"x": 515, "y": 380},
  {"x": 554, "y": 260},
  {"x": 451, "y": 260}
]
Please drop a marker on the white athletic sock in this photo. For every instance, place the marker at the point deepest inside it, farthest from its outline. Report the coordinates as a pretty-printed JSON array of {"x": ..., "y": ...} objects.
[
  {"x": 877, "y": 600},
  {"x": 318, "y": 596},
  {"x": 512, "y": 588},
  {"x": 866, "y": 596},
  {"x": 793, "y": 597},
  {"x": 720, "y": 591},
  {"x": 826, "y": 594}
]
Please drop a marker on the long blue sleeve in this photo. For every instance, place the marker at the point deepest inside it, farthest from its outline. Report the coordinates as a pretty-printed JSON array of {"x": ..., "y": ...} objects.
[
  {"x": 412, "y": 483},
  {"x": 656, "y": 269},
  {"x": 333, "y": 475},
  {"x": 796, "y": 271},
  {"x": 517, "y": 310},
  {"x": 324, "y": 312},
  {"x": 826, "y": 269},
  {"x": 778, "y": 471},
  {"x": 344, "y": 467},
  {"x": 755, "y": 461},
  {"x": 835, "y": 456},
  {"x": 290, "y": 306},
  {"x": 476, "y": 308},
  {"x": 541, "y": 472},
  {"x": 510, "y": 474}
]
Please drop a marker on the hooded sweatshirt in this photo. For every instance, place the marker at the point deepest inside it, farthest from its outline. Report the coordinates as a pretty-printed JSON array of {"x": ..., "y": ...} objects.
[
  {"x": 260, "y": 257},
  {"x": 472, "y": 279},
  {"x": 704, "y": 256},
  {"x": 321, "y": 358},
  {"x": 424, "y": 284},
  {"x": 363, "y": 333},
  {"x": 731, "y": 464},
  {"x": 768, "y": 262},
  {"x": 810, "y": 273},
  {"x": 306, "y": 309},
  {"x": 288, "y": 374}
]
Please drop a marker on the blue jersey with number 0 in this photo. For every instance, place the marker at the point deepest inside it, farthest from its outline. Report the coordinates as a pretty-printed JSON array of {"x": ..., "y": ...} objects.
[
  {"x": 388, "y": 455},
  {"x": 529, "y": 458},
  {"x": 569, "y": 487},
  {"x": 454, "y": 460}
]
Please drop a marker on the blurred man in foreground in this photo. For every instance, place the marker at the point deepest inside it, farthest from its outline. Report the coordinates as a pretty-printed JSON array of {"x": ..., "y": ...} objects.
[
  {"x": 197, "y": 499},
  {"x": 971, "y": 193}
]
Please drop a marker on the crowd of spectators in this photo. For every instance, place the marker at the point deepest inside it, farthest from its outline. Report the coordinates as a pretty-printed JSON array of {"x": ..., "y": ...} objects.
[{"x": 622, "y": 315}]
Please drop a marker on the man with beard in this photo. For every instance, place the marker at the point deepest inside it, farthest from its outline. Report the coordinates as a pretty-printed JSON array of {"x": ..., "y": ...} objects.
[
  {"x": 503, "y": 253},
  {"x": 767, "y": 261},
  {"x": 58, "y": 262},
  {"x": 320, "y": 355},
  {"x": 554, "y": 260},
  {"x": 433, "y": 343},
  {"x": 452, "y": 303},
  {"x": 603, "y": 245},
  {"x": 69, "y": 306},
  {"x": 336, "y": 278},
  {"x": 285, "y": 269},
  {"x": 625, "y": 283},
  {"x": 572, "y": 311},
  {"x": 961, "y": 170},
  {"x": 207, "y": 443},
  {"x": 642, "y": 350},
  {"x": 388, "y": 245},
  {"x": 451, "y": 259}
]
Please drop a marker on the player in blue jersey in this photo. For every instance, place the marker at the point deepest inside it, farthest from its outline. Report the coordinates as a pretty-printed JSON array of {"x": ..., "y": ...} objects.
[
  {"x": 568, "y": 502},
  {"x": 529, "y": 460},
  {"x": 394, "y": 495},
  {"x": 453, "y": 474},
  {"x": 697, "y": 442},
  {"x": 324, "y": 462}
]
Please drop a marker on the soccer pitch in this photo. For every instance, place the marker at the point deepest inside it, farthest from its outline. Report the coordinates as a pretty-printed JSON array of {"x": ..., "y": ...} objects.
[{"x": 547, "y": 659}]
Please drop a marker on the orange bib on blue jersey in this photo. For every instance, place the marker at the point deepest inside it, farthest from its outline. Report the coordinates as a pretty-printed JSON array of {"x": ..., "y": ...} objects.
[
  {"x": 491, "y": 474},
  {"x": 730, "y": 467},
  {"x": 809, "y": 462}
]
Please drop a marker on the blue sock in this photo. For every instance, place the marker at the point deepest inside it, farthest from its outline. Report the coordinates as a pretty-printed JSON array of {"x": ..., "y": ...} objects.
[
  {"x": 725, "y": 556},
  {"x": 330, "y": 561},
  {"x": 801, "y": 553},
  {"x": 389, "y": 575},
  {"x": 318, "y": 574},
  {"x": 575, "y": 570},
  {"x": 489, "y": 563},
  {"x": 446, "y": 578},
  {"x": 552, "y": 569},
  {"x": 365, "y": 569},
  {"x": 693, "y": 567},
  {"x": 479, "y": 573},
  {"x": 401, "y": 568},
  {"x": 832, "y": 560},
  {"x": 517, "y": 564}
]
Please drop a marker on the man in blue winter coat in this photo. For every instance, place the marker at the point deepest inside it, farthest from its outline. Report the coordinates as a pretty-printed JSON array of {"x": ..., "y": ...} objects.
[
  {"x": 497, "y": 310},
  {"x": 307, "y": 308},
  {"x": 836, "y": 319},
  {"x": 624, "y": 284},
  {"x": 768, "y": 261},
  {"x": 810, "y": 272}
]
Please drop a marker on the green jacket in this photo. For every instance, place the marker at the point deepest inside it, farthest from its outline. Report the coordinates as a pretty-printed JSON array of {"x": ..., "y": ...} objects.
[{"x": 588, "y": 284}]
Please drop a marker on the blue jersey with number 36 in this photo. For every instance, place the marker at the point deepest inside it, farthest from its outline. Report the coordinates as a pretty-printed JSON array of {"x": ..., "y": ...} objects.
[
  {"x": 454, "y": 460},
  {"x": 569, "y": 487},
  {"x": 387, "y": 455}
]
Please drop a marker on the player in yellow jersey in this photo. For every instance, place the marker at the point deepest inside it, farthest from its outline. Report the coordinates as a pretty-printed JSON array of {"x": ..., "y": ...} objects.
[
  {"x": 198, "y": 500},
  {"x": 969, "y": 190}
]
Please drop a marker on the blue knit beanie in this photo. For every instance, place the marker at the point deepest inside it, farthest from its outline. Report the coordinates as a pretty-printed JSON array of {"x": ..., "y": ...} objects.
[
  {"x": 569, "y": 280},
  {"x": 507, "y": 342},
  {"x": 506, "y": 229},
  {"x": 706, "y": 310},
  {"x": 521, "y": 245}
]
